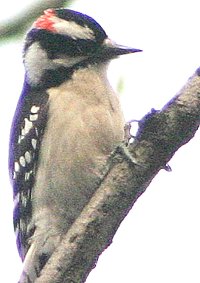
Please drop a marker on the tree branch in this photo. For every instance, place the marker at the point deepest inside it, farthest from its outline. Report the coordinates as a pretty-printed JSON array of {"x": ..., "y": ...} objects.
[
  {"x": 126, "y": 176},
  {"x": 22, "y": 22}
]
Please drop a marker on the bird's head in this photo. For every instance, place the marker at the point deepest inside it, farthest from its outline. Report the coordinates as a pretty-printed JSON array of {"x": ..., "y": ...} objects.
[{"x": 65, "y": 40}]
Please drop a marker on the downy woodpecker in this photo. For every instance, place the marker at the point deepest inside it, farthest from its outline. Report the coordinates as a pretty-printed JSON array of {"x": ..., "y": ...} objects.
[{"x": 67, "y": 122}]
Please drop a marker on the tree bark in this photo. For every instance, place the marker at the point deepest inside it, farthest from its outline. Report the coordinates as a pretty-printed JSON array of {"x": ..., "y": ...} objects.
[{"x": 128, "y": 173}]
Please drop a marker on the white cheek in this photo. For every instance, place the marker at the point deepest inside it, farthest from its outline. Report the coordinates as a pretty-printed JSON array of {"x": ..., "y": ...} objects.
[
  {"x": 36, "y": 62},
  {"x": 33, "y": 61}
]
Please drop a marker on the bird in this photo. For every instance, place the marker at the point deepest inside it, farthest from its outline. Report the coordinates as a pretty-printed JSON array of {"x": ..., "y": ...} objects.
[{"x": 67, "y": 122}]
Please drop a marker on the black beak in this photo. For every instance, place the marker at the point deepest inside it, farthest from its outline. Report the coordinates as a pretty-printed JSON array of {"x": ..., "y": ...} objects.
[{"x": 111, "y": 49}]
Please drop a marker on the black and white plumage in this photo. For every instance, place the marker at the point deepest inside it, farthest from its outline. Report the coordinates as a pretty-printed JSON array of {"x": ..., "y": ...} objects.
[{"x": 68, "y": 120}]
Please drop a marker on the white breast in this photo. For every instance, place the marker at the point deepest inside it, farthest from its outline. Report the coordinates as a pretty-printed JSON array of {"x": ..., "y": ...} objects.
[{"x": 85, "y": 124}]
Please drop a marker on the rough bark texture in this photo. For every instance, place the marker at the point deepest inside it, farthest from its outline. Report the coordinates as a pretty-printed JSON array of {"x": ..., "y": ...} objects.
[{"x": 128, "y": 173}]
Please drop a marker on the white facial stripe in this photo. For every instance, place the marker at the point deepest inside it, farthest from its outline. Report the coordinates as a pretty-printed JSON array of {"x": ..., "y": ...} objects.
[
  {"x": 73, "y": 29},
  {"x": 37, "y": 62},
  {"x": 69, "y": 61}
]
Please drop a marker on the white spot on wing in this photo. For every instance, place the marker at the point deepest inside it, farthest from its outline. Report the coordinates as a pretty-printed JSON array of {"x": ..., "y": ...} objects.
[
  {"x": 33, "y": 117},
  {"x": 23, "y": 133},
  {"x": 24, "y": 200},
  {"x": 16, "y": 166},
  {"x": 16, "y": 230},
  {"x": 27, "y": 176},
  {"x": 22, "y": 161},
  {"x": 34, "y": 143},
  {"x": 20, "y": 138},
  {"x": 35, "y": 109},
  {"x": 36, "y": 132},
  {"x": 28, "y": 125},
  {"x": 14, "y": 175},
  {"x": 27, "y": 156}
]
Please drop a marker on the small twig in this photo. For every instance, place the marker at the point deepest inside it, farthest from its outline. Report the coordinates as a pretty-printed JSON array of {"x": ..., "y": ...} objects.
[{"x": 18, "y": 25}]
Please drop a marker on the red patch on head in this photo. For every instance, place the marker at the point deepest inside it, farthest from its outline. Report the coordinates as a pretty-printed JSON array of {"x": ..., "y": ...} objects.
[{"x": 46, "y": 21}]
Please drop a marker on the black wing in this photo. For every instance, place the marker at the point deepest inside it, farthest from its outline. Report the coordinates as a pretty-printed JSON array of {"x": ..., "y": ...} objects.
[{"x": 27, "y": 130}]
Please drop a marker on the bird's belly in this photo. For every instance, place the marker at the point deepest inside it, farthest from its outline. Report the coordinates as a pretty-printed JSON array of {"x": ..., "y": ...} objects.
[{"x": 72, "y": 161}]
